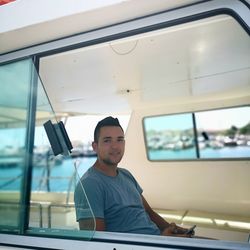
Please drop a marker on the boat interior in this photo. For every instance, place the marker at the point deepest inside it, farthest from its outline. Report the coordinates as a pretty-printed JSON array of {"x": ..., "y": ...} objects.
[{"x": 173, "y": 78}]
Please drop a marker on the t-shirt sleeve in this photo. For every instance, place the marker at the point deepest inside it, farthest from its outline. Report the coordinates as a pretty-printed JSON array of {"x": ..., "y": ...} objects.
[{"x": 95, "y": 199}]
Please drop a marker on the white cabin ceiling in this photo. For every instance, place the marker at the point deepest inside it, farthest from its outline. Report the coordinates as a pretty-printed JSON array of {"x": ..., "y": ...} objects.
[{"x": 188, "y": 62}]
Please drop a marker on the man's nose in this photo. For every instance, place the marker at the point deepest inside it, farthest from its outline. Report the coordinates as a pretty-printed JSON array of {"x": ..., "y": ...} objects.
[{"x": 114, "y": 144}]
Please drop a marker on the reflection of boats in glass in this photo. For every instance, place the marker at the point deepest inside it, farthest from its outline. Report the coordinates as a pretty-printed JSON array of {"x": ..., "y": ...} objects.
[
  {"x": 14, "y": 157},
  {"x": 176, "y": 143},
  {"x": 230, "y": 142},
  {"x": 11, "y": 156},
  {"x": 214, "y": 144},
  {"x": 9, "y": 151},
  {"x": 43, "y": 156},
  {"x": 84, "y": 150},
  {"x": 10, "y": 161}
]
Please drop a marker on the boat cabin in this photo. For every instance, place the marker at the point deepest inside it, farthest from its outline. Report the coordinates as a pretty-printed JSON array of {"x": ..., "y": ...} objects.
[{"x": 177, "y": 76}]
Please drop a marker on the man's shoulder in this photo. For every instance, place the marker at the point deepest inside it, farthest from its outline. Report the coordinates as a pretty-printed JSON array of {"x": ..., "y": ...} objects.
[
  {"x": 128, "y": 176},
  {"x": 126, "y": 172},
  {"x": 90, "y": 180},
  {"x": 90, "y": 174}
]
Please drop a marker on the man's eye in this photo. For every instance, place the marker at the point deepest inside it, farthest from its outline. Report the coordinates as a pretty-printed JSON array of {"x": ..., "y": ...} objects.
[{"x": 107, "y": 141}]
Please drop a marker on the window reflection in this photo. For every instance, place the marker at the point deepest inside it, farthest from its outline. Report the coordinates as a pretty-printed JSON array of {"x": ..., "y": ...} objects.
[
  {"x": 13, "y": 115},
  {"x": 170, "y": 137},
  {"x": 223, "y": 133}
]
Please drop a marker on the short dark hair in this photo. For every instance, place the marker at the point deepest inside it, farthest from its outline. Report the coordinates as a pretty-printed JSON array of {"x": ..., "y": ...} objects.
[{"x": 108, "y": 121}]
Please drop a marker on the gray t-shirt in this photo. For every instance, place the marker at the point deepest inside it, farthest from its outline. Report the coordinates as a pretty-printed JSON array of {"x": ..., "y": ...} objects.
[{"x": 117, "y": 200}]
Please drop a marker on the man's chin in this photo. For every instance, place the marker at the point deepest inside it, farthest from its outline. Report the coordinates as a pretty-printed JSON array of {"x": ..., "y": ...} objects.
[{"x": 112, "y": 162}]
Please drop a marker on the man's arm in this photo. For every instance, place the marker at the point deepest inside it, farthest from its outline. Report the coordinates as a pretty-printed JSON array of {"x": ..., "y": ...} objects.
[
  {"x": 156, "y": 218},
  {"x": 88, "y": 224},
  {"x": 167, "y": 229}
]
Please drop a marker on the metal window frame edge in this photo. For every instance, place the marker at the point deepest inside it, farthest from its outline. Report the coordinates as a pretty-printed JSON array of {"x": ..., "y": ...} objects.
[
  {"x": 236, "y": 8},
  {"x": 117, "y": 241}
]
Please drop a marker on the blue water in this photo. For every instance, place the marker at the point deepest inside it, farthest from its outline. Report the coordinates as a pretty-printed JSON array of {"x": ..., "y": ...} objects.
[
  {"x": 60, "y": 176},
  {"x": 207, "y": 153}
]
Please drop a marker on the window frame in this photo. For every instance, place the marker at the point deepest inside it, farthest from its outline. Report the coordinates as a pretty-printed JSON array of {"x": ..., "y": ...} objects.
[{"x": 198, "y": 157}]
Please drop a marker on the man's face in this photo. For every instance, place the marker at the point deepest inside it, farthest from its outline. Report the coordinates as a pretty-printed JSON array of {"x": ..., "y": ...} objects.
[{"x": 110, "y": 146}]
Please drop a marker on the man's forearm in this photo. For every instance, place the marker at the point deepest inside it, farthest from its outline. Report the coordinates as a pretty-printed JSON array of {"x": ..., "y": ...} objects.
[{"x": 159, "y": 221}]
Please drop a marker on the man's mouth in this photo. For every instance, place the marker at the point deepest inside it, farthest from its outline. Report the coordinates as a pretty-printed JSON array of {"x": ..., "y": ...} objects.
[{"x": 115, "y": 153}]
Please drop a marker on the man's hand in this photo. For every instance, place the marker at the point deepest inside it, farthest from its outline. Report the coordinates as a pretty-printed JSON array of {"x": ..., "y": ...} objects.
[{"x": 174, "y": 230}]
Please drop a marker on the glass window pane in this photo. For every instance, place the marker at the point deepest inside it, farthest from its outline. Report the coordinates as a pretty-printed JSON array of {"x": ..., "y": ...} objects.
[
  {"x": 14, "y": 84},
  {"x": 224, "y": 133},
  {"x": 170, "y": 137},
  {"x": 52, "y": 210}
]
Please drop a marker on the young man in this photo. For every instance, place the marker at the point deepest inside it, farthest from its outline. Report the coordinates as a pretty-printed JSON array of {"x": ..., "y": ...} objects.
[{"x": 113, "y": 193}]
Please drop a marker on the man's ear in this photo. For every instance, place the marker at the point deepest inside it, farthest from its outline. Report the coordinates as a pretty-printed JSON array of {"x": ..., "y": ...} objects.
[{"x": 94, "y": 146}]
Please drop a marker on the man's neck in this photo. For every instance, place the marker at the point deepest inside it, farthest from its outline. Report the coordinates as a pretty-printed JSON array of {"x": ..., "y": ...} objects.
[{"x": 110, "y": 170}]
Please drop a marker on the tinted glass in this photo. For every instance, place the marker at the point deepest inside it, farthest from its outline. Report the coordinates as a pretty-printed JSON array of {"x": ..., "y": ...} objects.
[
  {"x": 54, "y": 178},
  {"x": 170, "y": 137},
  {"x": 224, "y": 133},
  {"x": 221, "y": 134},
  {"x": 14, "y": 84}
]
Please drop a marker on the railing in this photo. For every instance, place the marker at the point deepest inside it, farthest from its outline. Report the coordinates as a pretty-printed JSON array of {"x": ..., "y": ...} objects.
[
  {"x": 42, "y": 208},
  {"x": 57, "y": 206}
]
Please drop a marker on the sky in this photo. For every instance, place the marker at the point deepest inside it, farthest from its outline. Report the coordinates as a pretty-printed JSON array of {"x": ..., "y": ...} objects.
[
  {"x": 224, "y": 119},
  {"x": 213, "y": 120},
  {"x": 82, "y": 127}
]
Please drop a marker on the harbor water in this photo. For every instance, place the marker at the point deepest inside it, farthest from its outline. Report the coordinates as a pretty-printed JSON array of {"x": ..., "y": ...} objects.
[{"x": 63, "y": 177}]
